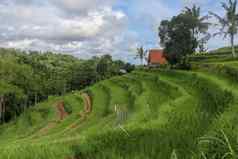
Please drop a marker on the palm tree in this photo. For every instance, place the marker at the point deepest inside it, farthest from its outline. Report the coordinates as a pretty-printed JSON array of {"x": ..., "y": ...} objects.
[
  {"x": 199, "y": 25},
  {"x": 141, "y": 54},
  {"x": 198, "y": 21},
  {"x": 229, "y": 23}
]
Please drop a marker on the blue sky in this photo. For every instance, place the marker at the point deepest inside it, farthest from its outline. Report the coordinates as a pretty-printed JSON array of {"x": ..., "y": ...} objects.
[{"x": 85, "y": 28}]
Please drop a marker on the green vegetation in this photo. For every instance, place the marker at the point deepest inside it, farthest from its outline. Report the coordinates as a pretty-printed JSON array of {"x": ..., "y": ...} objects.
[
  {"x": 187, "y": 32},
  {"x": 179, "y": 36},
  {"x": 28, "y": 78},
  {"x": 141, "y": 54},
  {"x": 143, "y": 114},
  {"x": 55, "y": 106},
  {"x": 229, "y": 23}
]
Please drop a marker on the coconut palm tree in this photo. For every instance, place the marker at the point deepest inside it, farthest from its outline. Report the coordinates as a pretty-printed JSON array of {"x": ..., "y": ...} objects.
[
  {"x": 141, "y": 54},
  {"x": 229, "y": 23},
  {"x": 199, "y": 23}
]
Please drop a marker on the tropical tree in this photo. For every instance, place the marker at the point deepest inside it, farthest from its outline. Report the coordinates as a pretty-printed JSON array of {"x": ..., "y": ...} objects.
[
  {"x": 29, "y": 78},
  {"x": 229, "y": 22},
  {"x": 141, "y": 54},
  {"x": 201, "y": 46},
  {"x": 199, "y": 25},
  {"x": 104, "y": 67},
  {"x": 11, "y": 100},
  {"x": 177, "y": 38}
]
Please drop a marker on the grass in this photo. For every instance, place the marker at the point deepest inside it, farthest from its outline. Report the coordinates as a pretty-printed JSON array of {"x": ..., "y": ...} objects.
[
  {"x": 144, "y": 114},
  {"x": 154, "y": 140}
]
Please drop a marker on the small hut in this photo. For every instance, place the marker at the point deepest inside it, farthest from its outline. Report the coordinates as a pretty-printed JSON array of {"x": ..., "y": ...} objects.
[{"x": 156, "y": 58}]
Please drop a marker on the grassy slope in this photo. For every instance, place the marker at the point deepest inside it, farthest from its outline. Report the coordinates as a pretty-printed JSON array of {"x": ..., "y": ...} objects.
[
  {"x": 159, "y": 113},
  {"x": 222, "y": 135}
]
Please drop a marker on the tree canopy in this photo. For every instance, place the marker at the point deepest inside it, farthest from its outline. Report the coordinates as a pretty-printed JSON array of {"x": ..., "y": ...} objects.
[
  {"x": 229, "y": 22},
  {"x": 28, "y": 78},
  {"x": 180, "y": 36},
  {"x": 177, "y": 38}
]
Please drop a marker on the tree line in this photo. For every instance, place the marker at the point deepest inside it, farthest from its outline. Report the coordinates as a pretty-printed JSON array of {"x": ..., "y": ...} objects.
[
  {"x": 183, "y": 34},
  {"x": 187, "y": 32},
  {"x": 28, "y": 78}
]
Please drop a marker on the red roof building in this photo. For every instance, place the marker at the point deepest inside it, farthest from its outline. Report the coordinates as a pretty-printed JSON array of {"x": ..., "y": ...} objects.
[{"x": 156, "y": 57}]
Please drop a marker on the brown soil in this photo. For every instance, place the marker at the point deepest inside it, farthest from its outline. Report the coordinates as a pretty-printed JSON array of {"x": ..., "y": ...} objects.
[
  {"x": 49, "y": 126},
  {"x": 87, "y": 103},
  {"x": 62, "y": 114},
  {"x": 87, "y": 110}
]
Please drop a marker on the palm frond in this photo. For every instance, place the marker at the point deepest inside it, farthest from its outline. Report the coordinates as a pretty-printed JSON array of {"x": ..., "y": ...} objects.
[
  {"x": 223, "y": 21},
  {"x": 187, "y": 9},
  {"x": 206, "y": 17},
  {"x": 225, "y": 6},
  {"x": 225, "y": 34},
  {"x": 230, "y": 2},
  {"x": 205, "y": 38},
  {"x": 234, "y": 6},
  {"x": 197, "y": 11}
]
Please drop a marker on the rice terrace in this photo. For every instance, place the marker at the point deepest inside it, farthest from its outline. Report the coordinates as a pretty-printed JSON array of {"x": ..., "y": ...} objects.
[{"x": 67, "y": 93}]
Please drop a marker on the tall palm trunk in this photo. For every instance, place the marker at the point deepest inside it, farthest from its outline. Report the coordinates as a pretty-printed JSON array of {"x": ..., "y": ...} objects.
[{"x": 233, "y": 46}]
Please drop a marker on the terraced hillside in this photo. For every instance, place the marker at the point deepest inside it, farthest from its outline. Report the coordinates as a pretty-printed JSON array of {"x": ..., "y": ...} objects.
[{"x": 154, "y": 114}]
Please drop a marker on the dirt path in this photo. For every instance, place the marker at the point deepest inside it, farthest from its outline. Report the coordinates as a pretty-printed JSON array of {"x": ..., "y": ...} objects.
[
  {"x": 45, "y": 129},
  {"x": 61, "y": 115},
  {"x": 87, "y": 103},
  {"x": 83, "y": 115}
]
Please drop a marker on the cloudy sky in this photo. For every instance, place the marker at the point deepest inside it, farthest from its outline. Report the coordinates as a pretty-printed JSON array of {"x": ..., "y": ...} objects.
[{"x": 85, "y": 28}]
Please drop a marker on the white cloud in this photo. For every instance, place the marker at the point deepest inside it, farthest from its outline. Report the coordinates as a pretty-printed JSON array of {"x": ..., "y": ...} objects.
[
  {"x": 83, "y": 6},
  {"x": 21, "y": 44},
  {"x": 89, "y": 27},
  {"x": 50, "y": 26}
]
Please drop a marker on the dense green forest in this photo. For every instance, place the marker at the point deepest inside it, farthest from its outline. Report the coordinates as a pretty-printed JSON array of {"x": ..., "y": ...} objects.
[{"x": 28, "y": 78}]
